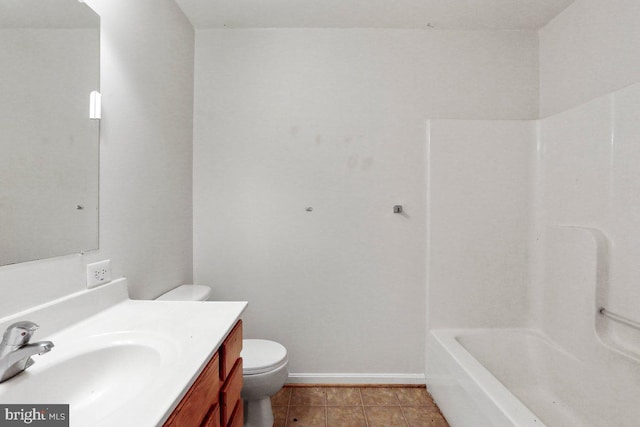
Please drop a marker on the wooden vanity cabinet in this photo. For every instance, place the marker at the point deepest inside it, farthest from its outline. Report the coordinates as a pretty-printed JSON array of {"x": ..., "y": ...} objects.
[{"x": 214, "y": 398}]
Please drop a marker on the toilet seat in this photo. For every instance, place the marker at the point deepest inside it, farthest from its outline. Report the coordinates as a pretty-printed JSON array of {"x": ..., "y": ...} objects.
[{"x": 260, "y": 356}]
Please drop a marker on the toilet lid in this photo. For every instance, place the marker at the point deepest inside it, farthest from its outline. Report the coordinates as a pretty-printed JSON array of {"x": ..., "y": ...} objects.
[
  {"x": 186, "y": 293},
  {"x": 259, "y": 356}
]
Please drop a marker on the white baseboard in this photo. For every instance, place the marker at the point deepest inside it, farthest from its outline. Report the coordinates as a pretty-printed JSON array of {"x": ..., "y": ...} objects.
[{"x": 306, "y": 378}]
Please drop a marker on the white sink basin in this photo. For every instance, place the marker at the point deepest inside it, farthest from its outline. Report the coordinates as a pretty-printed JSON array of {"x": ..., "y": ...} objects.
[
  {"x": 95, "y": 376},
  {"x": 117, "y": 361}
]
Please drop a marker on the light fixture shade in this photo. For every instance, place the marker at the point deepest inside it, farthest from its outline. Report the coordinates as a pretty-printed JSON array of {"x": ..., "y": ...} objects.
[{"x": 95, "y": 105}]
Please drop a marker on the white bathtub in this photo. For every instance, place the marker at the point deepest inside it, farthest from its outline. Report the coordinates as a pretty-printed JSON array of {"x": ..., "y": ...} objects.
[{"x": 518, "y": 377}]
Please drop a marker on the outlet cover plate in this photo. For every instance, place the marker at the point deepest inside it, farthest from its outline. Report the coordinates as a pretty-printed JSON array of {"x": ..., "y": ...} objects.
[{"x": 98, "y": 273}]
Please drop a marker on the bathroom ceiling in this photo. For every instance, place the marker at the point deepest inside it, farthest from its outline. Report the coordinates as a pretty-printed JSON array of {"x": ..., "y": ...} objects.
[{"x": 443, "y": 14}]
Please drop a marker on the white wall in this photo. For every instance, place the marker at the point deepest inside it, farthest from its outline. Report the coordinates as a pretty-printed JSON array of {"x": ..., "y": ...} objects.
[
  {"x": 146, "y": 157},
  {"x": 145, "y": 165},
  {"x": 587, "y": 51},
  {"x": 335, "y": 120},
  {"x": 480, "y": 204}
]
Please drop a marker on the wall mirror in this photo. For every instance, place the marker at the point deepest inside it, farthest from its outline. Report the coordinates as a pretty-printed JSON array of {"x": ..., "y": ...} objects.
[{"x": 49, "y": 148}]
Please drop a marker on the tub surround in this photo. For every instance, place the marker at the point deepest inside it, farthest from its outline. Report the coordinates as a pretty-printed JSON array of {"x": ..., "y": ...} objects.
[
  {"x": 581, "y": 367},
  {"x": 480, "y": 212},
  {"x": 111, "y": 351}
]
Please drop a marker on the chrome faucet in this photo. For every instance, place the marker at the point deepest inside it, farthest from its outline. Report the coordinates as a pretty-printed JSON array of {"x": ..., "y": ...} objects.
[{"x": 16, "y": 351}]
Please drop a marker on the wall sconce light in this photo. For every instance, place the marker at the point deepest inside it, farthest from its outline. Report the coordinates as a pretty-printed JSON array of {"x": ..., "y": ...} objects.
[{"x": 95, "y": 105}]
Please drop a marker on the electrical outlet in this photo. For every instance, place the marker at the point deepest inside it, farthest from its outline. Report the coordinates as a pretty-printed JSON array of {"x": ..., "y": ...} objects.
[{"x": 98, "y": 273}]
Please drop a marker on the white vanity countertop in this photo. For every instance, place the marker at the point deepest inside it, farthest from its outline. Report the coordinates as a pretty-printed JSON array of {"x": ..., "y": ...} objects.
[{"x": 129, "y": 364}]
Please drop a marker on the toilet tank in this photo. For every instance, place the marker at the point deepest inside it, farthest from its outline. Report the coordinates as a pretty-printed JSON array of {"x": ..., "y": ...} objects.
[{"x": 187, "y": 293}]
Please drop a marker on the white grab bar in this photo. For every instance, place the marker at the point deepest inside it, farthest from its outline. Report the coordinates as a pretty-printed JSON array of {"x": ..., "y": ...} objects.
[{"x": 619, "y": 318}]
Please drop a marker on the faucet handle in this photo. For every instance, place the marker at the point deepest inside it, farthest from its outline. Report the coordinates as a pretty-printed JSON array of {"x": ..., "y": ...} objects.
[{"x": 19, "y": 333}]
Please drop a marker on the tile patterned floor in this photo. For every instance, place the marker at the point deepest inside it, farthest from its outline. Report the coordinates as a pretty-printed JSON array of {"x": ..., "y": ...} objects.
[{"x": 304, "y": 406}]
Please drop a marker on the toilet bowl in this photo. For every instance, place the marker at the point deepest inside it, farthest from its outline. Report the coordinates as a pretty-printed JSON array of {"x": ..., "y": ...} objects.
[
  {"x": 264, "y": 364},
  {"x": 264, "y": 372}
]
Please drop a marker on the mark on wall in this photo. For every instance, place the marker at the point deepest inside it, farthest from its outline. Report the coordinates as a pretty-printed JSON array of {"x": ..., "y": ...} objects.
[{"x": 367, "y": 163}]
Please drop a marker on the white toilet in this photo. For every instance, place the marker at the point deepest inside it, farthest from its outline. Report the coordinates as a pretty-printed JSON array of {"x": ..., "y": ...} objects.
[{"x": 264, "y": 364}]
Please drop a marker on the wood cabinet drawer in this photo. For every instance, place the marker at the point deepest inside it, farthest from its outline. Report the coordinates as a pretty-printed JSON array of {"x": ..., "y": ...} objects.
[
  {"x": 230, "y": 394},
  {"x": 213, "y": 419},
  {"x": 203, "y": 395},
  {"x": 230, "y": 350},
  {"x": 237, "y": 417}
]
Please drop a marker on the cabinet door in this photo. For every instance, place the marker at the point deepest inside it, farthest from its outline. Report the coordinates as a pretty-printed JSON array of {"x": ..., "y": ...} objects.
[
  {"x": 202, "y": 395},
  {"x": 230, "y": 394},
  {"x": 230, "y": 350}
]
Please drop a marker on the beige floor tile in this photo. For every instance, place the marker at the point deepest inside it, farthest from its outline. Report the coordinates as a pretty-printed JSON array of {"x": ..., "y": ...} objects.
[
  {"x": 414, "y": 396},
  {"x": 308, "y": 396},
  {"x": 281, "y": 398},
  {"x": 379, "y": 396},
  {"x": 343, "y": 396},
  {"x": 345, "y": 416},
  {"x": 280, "y": 416},
  {"x": 343, "y": 407},
  {"x": 384, "y": 416},
  {"x": 423, "y": 416},
  {"x": 306, "y": 416}
]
